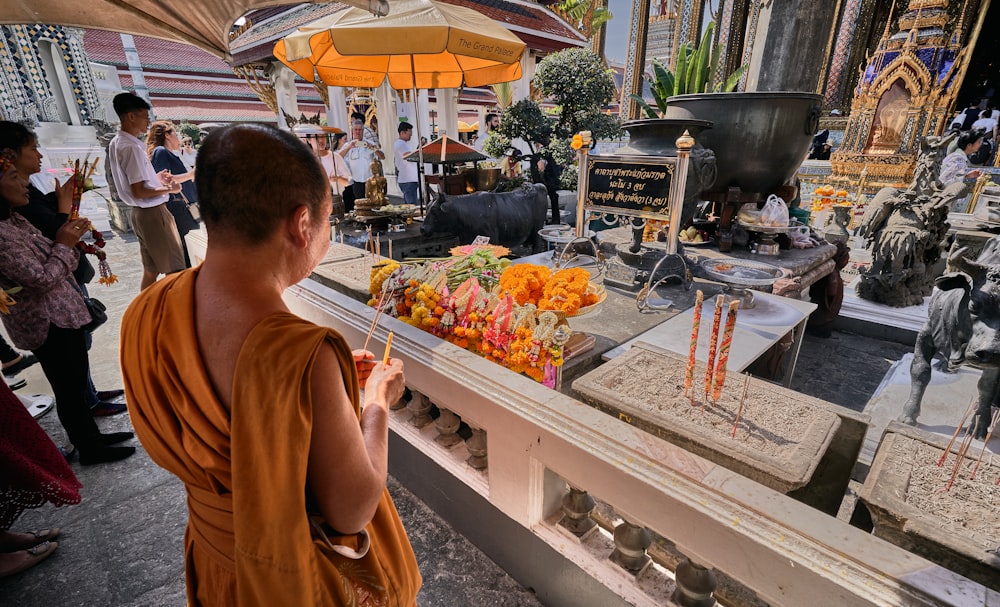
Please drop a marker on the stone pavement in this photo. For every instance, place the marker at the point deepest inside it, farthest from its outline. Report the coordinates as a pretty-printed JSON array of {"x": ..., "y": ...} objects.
[{"x": 123, "y": 545}]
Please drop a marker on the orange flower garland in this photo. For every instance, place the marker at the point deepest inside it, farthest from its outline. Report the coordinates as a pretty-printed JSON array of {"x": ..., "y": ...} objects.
[
  {"x": 566, "y": 291},
  {"x": 525, "y": 282}
]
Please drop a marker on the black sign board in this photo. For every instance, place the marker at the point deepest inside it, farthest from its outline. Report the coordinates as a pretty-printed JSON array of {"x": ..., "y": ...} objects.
[{"x": 637, "y": 186}]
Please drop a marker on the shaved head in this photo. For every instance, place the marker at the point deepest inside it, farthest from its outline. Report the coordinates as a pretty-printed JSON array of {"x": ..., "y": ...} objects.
[{"x": 250, "y": 177}]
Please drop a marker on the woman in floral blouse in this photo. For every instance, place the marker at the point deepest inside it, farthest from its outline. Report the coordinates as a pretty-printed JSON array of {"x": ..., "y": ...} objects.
[{"x": 49, "y": 312}]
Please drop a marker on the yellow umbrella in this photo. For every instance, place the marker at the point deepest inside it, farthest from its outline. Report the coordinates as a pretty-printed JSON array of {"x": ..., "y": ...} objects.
[{"x": 421, "y": 44}]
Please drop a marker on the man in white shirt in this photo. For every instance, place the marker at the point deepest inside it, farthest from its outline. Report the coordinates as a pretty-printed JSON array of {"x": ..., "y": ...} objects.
[
  {"x": 406, "y": 171},
  {"x": 359, "y": 155},
  {"x": 145, "y": 191}
]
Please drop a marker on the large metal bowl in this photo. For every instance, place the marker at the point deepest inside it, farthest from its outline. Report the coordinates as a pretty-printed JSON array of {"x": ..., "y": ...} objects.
[{"x": 759, "y": 139}]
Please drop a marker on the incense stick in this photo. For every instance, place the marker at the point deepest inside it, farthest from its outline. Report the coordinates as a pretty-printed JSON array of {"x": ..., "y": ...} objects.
[
  {"x": 739, "y": 410},
  {"x": 944, "y": 456},
  {"x": 378, "y": 311},
  {"x": 710, "y": 367},
  {"x": 989, "y": 435},
  {"x": 695, "y": 327},
  {"x": 727, "y": 342},
  {"x": 388, "y": 346},
  {"x": 966, "y": 442}
]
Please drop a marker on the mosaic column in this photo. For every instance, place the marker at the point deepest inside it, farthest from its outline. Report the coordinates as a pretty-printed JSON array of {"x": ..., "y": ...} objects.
[
  {"x": 634, "y": 63},
  {"x": 842, "y": 47}
]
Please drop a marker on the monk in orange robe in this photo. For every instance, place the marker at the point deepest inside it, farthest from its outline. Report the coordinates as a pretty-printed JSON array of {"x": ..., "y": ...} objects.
[{"x": 258, "y": 411}]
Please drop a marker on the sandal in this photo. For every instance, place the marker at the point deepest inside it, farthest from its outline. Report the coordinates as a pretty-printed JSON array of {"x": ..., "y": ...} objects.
[
  {"x": 16, "y": 562},
  {"x": 11, "y": 541}
]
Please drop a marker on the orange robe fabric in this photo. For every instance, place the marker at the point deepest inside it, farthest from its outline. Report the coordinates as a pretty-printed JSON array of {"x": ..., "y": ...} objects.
[{"x": 249, "y": 541}]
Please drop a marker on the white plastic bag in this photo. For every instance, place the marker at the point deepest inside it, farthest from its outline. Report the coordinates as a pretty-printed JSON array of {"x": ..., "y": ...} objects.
[{"x": 774, "y": 213}]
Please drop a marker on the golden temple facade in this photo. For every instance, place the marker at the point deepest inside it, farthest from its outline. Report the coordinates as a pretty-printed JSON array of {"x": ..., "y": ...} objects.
[{"x": 904, "y": 93}]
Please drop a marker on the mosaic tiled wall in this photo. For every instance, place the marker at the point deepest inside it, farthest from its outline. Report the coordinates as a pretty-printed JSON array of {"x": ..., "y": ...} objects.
[{"x": 25, "y": 93}]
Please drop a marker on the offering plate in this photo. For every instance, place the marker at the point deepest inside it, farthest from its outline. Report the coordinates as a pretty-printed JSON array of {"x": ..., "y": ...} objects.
[{"x": 740, "y": 276}]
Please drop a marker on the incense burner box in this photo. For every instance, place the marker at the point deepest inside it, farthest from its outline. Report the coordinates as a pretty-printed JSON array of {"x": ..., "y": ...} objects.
[
  {"x": 913, "y": 507},
  {"x": 781, "y": 436}
]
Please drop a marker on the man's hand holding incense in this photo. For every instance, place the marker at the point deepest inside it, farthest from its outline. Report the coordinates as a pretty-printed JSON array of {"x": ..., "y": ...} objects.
[{"x": 385, "y": 384}]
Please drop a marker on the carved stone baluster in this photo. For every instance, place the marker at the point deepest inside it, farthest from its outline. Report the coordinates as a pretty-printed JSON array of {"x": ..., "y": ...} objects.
[
  {"x": 476, "y": 444},
  {"x": 577, "y": 506},
  {"x": 631, "y": 542},
  {"x": 420, "y": 407},
  {"x": 695, "y": 585},
  {"x": 447, "y": 426},
  {"x": 399, "y": 404}
]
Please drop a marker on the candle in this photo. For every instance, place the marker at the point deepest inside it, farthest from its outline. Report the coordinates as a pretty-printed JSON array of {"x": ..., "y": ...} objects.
[
  {"x": 77, "y": 178},
  {"x": 695, "y": 325},
  {"x": 710, "y": 366},
  {"x": 388, "y": 346},
  {"x": 390, "y": 245},
  {"x": 727, "y": 342}
]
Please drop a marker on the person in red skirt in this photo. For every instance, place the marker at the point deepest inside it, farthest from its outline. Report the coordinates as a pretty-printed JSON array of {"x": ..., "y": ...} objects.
[{"x": 32, "y": 472}]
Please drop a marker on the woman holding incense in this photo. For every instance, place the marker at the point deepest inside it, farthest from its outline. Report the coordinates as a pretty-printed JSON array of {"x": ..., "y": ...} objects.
[
  {"x": 163, "y": 146},
  {"x": 49, "y": 312},
  {"x": 48, "y": 213},
  {"x": 258, "y": 411}
]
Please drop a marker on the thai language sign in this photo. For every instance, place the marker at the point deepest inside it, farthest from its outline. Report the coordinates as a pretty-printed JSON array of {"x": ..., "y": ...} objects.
[{"x": 629, "y": 185}]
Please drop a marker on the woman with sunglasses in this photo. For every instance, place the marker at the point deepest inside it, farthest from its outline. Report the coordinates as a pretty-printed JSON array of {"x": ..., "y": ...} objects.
[{"x": 163, "y": 145}]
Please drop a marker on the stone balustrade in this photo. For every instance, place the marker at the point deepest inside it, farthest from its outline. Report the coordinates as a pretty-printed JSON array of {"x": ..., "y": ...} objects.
[{"x": 534, "y": 457}]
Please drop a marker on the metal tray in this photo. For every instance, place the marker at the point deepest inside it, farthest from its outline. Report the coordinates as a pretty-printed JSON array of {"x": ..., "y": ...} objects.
[{"x": 741, "y": 272}]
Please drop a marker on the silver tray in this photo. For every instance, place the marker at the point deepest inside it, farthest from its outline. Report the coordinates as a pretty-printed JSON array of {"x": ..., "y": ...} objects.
[
  {"x": 753, "y": 227},
  {"x": 561, "y": 233},
  {"x": 741, "y": 272}
]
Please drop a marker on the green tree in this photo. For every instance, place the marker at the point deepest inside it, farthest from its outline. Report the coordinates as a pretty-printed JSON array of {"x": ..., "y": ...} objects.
[
  {"x": 191, "y": 130},
  {"x": 577, "y": 85}
]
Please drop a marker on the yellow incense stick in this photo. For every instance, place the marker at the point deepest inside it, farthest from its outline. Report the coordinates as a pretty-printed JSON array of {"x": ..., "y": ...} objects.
[{"x": 388, "y": 347}]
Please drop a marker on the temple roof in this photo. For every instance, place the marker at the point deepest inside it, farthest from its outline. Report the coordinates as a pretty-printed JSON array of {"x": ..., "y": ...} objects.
[{"x": 187, "y": 83}]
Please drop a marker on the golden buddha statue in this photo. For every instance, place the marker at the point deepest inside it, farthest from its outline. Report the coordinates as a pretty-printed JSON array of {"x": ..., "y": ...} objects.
[{"x": 375, "y": 186}]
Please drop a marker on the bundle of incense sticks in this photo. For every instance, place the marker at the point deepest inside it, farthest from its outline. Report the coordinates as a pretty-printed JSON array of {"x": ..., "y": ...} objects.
[
  {"x": 966, "y": 443},
  {"x": 695, "y": 326},
  {"x": 989, "y": 435},
  {"x": 727, "y": 342},
  {"x": 968, "y": 412},
  {"x": 713, "y": 339},
  {"x": 80, "y": 177}
]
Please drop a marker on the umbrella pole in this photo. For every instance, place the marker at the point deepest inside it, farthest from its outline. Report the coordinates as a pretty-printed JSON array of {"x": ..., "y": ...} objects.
[{"x": 420, "y": 148}]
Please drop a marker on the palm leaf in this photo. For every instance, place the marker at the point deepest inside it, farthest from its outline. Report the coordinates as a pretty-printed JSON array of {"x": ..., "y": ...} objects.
[
  {"x": 713, "y": 70},
  {"x": 680, "y": 74},
  {"x": 664, "y": 81},
  {"x": 650, "y": 112},
  {"x": 701, "y": 61},
  {"x": 733, "y": 79}
]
